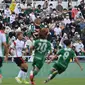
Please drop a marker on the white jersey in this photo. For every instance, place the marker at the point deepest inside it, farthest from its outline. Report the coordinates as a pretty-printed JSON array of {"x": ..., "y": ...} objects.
[
  {"x": 17, "y": 46},
  {"x": 78, "y": 46},
  {"x": 2, "y": 40}
]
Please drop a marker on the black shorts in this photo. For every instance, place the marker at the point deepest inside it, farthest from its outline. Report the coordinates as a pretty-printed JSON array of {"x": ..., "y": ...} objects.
[
  {"x": 1, "y": 61},
  {"x": 19, "y": 61}
]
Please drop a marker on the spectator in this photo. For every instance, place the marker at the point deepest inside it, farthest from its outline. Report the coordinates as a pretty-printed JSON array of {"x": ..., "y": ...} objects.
[
  {"x": 12, "y": 6},
  {"x": 66, "y": 20},
  {"x": 17, "y": 9},
  {"x": 78, "y": 47},
  {"x": 45, "y": 5},
  {"x": 57, "y": 30},
  {"x": 23, "y": 5},
  {"x": 7, "y": 11},
  {"x": 12, "y": 18}
]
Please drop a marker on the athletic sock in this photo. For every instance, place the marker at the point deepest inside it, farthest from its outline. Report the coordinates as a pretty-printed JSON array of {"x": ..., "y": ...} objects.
[
  {"x": 20, "y": 74},
  {"x": 24, "y": 75},
  {"x": 52, "y": 75},
  {"x": 35, "y": 73}
]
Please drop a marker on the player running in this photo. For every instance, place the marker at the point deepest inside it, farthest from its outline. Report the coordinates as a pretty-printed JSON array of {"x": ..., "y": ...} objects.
[
  {"x": 64, "y": 56},
  {"x": 41, "y": 48},
  {"x": 2, "y": 43},
  {"x": 16, "y": 48}
]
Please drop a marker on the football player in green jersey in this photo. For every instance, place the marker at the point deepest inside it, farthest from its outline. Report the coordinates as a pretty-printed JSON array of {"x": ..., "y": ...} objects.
[
  {"x": 63, "y": 59},
  {"x": 41, "y": 49}
]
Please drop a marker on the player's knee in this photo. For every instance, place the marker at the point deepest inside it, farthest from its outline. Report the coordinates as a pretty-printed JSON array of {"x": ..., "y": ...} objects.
[
  {"x": 53, "y": 70},
  {"x": 24, "y": 66}
]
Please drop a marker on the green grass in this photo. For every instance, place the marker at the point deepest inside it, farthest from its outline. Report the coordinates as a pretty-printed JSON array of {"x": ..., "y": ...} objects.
[{"x": 56, "y": 81}]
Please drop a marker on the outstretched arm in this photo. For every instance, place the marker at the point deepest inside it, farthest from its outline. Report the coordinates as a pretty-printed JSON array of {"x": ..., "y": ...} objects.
[
  {"x": 54, "y": 57},
  {"x": 77, "y": 61}
]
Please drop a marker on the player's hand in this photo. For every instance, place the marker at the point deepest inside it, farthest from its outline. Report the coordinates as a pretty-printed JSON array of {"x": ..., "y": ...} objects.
[
  {"x": 49, "y": 61},
  {"x": 6, "y": 59},
  {"x": 81, "y": 68}
]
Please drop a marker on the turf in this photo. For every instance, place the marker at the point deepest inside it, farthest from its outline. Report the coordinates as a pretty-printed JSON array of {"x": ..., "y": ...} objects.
[{"x": 56, "y": 81}]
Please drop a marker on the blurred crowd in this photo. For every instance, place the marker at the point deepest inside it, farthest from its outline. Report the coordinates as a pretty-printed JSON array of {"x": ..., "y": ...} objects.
[{"x": 62, "y": 23}]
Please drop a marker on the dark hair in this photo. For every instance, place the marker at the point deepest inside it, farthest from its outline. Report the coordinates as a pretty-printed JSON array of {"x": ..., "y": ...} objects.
[
  {"x": 18, "y": 34},
  {"x": 7, "y": 6},
  {"x": 67, "y": 42}
]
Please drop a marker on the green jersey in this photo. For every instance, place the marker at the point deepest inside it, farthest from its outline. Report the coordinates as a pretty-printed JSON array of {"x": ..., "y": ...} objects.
[
  {"x": 42, "y": 48},
  {"x": 64, "y": 56}
]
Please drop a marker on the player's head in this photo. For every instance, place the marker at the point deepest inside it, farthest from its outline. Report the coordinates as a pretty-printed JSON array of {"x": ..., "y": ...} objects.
[
  {"x": 43, "y": 33},
  {"x": 20, "y": 35},
  {"x": 67, "y": 42}
]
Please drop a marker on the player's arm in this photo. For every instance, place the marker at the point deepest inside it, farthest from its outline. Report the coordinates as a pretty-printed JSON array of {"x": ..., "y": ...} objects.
[
  {"x": 31, "y": 49},
  {"x": 53, "y": 58},
  {"x": 12, "y": 47},
  {"x": 77, "y": 61},
  {"x": 5, "y": 46}
]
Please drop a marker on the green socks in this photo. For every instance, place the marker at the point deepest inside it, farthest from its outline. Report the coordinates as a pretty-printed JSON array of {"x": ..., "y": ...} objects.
[{"x": 53, "y": 75}]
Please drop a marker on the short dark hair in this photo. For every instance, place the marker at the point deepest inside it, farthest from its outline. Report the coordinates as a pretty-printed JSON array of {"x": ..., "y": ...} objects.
[
  {"x": 67, "y": 42},
  {"x": 7, "y": 6}
]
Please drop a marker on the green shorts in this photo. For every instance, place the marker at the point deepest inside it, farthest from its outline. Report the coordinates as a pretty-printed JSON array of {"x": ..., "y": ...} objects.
[
  {"x": 38, "y": 63},
  {"x": 59, "y": 68}
]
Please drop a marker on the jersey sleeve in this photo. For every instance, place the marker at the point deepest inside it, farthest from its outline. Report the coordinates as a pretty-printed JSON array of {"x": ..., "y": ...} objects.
[
  {"x": 35, "y": 43},
  {"x": 13, "y": 44},
  {"x": 3, "y": 38}
]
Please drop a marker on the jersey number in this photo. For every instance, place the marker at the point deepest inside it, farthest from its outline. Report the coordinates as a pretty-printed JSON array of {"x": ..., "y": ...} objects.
[
  {"x": 42, "y": 47},
  {"x": 65, "y": 56}
]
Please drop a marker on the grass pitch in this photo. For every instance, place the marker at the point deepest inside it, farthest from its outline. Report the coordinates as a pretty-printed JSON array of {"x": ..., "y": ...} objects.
[{"x": 56, "y": 81}]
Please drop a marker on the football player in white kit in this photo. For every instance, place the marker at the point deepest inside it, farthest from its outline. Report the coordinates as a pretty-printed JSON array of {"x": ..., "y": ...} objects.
[
  {"x": 2, "y": 43},
  {"x": 16, "y": 48}
]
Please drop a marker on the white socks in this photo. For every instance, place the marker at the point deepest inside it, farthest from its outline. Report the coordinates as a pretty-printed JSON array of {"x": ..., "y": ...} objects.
[
  {"x": 31, "y": 72},
  {"x": 22, "y": 75}
]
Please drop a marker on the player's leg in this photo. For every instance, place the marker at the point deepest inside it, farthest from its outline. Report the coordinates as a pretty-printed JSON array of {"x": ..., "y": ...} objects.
[
  {"x": 57, "y": 69},
  {"x": 33, "y": 73},
  {"x": 1, "y": 60},
  {"x": 52, "y": 74},
  {"x": 36, "y": 68},
  {"x": 21, "y": 77},
  {"x": 24, "y": 67}
]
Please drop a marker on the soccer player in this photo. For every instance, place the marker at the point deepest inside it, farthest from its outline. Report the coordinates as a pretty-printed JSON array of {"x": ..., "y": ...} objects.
[
  {"x": 64, "y": 56},
  {"x": 41, "y": 48},
  {"x": 2, "y": 43},
  {"x": 16, "y": 48}
]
